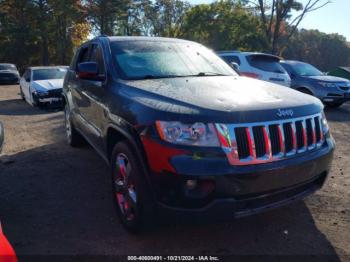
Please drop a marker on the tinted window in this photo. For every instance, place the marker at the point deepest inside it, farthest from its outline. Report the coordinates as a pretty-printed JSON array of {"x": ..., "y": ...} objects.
[
  {"x": 83, "y": 55},
  {"x": 52, "y": 73},
  {"x": 229, "y": 59},
  {"x": 8, "y": 67},
  {"x": 303, "y": 69},
  {"x": 265, "y": 63},
  {"x": 143, "y": 59},
  {"x": 97, "y": 56}
]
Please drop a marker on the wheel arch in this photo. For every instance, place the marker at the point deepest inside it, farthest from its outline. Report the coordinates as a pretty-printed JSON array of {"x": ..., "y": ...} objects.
[{"x": 115, "y": 134}]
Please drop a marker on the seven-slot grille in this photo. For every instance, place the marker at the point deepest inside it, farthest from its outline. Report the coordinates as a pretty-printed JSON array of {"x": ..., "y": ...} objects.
[{"x": 255, "y": 143}]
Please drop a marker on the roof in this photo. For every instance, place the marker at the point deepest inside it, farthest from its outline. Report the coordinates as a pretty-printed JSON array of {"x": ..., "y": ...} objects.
[
  {"x": 248, "y": 53},
  {"x": 291, "y": 62},
  {"x": 145, "y": 38},
  {"x": 7, "y": 64},
  {"x": 46, "y": 67}
]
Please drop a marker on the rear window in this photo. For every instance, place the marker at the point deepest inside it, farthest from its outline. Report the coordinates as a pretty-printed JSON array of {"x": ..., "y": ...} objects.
[
  {"x": 266, "y": 63},
  {"x": 8, "y": 67},
  {"x": 231, "y": 58}
]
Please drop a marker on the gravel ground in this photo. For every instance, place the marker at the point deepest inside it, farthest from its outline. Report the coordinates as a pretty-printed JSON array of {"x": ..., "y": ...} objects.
[{"x": 58, "y": 200}]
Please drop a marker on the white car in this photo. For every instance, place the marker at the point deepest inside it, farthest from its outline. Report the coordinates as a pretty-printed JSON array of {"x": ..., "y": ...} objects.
[
  {"x": 42, "y": 85},
  {"x": 257, "y": 65}
]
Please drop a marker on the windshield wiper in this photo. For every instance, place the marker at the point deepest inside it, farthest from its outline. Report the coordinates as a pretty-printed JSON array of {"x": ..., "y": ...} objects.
[
  {"x": 209, "y": 74},
  {"x": 176, "y": 76}
]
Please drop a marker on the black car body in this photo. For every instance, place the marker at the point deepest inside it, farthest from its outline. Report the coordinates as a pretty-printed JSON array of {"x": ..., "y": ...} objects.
[
  {"x": 8, "y": 74},
  {"x": 206, "y": 144},
  {"x": 331, "y": 90}
]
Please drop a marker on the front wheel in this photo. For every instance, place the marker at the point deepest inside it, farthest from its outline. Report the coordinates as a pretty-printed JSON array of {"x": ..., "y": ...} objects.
[{"x": 134, "y": 201}]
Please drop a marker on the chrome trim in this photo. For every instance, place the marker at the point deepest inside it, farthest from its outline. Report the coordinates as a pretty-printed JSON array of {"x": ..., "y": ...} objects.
[{"x": 226, "y": 132}]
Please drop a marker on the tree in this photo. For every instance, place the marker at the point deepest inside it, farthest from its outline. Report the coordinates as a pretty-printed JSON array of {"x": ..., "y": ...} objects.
[
  {"x": 276, "y": 15},
  {"x": 104, "y": 14},
  {"x": 17, "y": 37},
  {"x": 325, "y": 51},
  {"x": 224, "y": 25},
  {"x": 167, "y": 17}
]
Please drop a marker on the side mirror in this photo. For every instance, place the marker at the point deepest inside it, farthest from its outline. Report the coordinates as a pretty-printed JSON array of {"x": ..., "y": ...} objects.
[
  {"x": 1, "y": 136},
  {"x": 88, "y": 71},
  {"x": 235, "y": 66}
]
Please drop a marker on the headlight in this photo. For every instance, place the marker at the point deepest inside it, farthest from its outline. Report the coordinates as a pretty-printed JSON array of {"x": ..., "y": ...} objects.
[
  {"x": 197, "y": 134},
  {"x": 325, "y": 126},
  {"x": 327, "y": 84}
]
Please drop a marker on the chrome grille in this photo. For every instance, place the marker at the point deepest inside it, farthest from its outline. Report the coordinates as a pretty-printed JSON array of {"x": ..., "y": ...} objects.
[{"x": 253, "y": 143}]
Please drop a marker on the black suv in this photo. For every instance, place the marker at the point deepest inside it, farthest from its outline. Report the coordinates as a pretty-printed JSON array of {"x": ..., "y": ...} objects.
[{"x": 184, "y": 135}]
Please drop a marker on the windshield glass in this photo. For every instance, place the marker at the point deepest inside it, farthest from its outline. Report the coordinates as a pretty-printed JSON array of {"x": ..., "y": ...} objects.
[
  {"x": 7, "y": 67},
  {"x": 49, "y": 73},
  {"x": 303, "y": 69},
  {"x": 153, "y": 59}
]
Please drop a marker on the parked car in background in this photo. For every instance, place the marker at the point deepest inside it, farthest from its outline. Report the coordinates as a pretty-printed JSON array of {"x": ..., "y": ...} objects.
[
  {"x": 257, "y": 65},
  {"x": 42, "y": 85},
  {"x": 332, "y": 91},
  {"x": 8, "y": 74},
  {"x": 184, "y": 135},
  {"x": 341, "y": 71}
]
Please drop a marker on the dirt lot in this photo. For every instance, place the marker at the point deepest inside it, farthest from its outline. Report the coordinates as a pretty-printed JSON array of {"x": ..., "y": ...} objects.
[{"x": 58, "y": 200}]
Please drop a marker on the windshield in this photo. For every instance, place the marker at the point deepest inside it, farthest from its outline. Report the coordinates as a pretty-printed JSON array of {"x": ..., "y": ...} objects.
[
  {"x": 49, "y": 73},
  {"x": 151, "y": 59},
  {"x": 303, "y": 69},
  {"x": 8, "y": 67}
]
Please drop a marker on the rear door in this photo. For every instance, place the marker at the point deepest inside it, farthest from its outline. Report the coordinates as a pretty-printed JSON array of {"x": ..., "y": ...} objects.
[{"x": 268, "y": 68}]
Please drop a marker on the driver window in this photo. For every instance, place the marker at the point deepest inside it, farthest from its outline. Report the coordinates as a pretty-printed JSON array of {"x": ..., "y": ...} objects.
[{"x": 97, "y": 56}]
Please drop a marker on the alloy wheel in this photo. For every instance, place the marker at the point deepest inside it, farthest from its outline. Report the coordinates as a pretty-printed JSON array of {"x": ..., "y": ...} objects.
[{"x": 125, "y": 190}]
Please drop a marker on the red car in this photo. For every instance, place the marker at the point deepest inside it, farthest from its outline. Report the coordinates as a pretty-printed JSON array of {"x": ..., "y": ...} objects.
[{"x": 7, "y": 254}]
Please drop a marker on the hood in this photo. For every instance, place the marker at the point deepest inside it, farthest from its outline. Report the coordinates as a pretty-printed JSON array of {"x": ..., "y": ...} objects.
[
  {"x": 49, "y": 84},
  {"x": 221, "y": 97},
  {"x": 327, "y": 78}
]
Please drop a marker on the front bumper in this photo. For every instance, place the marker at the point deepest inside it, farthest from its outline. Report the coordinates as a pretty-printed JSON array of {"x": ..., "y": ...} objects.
[
  {"x": 9, "y": 80},
  {"x": 335, "y": 94},
  {"x": 225, "y": 191},
  {"x": 52, "y": 99}
]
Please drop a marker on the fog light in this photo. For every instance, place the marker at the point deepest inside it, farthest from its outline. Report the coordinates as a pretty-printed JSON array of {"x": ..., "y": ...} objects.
[{"x": 191, "y": 184}]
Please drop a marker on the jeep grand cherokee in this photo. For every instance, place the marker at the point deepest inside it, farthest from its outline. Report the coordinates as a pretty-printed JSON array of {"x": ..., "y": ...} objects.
[{"x": 184, "y": 135}]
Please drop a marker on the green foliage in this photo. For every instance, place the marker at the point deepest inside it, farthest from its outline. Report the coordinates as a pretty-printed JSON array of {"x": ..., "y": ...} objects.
[
  {"x": 326, "y": 51},
  {"x": 40, "y": 31},
  {"x": 35, "y": 32},
  {"x": 224, "y": 25}
]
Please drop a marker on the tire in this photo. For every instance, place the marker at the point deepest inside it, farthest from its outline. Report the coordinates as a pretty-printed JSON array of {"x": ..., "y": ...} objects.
[
  {"x": 333, "y": 104},
  {"x": 133, "y": 197},
  {"x": 74, "y": 138},
  {"x": 21, "y": 93}
]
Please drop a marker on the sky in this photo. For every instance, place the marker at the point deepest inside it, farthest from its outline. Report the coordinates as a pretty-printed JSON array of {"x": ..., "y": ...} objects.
[{"x": 333, "y": 18}]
